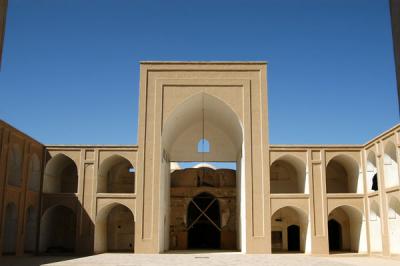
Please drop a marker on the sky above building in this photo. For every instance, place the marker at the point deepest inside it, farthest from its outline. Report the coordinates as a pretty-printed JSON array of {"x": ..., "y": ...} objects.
[{"x": 70, "y": 72}]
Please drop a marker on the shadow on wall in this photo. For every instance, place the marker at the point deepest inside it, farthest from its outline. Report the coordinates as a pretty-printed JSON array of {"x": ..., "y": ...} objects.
[{"x": 65, "y": 226}]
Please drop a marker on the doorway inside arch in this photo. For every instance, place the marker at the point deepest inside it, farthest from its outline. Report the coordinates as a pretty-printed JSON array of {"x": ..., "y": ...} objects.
[
  {"x": 335, "y": 235},
  {"x": 293, "y": 233},
  {"x": 204, "y": 220}
]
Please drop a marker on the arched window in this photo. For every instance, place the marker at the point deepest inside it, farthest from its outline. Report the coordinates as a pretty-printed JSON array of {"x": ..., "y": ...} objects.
[
  {"x": 203, "y": 146},
  {"x": 34, "y": 174},
  {"x": 372, "y": 176},
  {"x": 390, "y": 165},
  {"x": 14, "y": 166}
]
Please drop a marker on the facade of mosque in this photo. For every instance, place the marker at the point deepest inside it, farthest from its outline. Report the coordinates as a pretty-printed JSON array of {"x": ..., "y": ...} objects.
[{"x": 88, "y": 199}]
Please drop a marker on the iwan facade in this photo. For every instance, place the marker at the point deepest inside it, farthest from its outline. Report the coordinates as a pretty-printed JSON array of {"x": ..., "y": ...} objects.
[{"x": 89, "y": 199}]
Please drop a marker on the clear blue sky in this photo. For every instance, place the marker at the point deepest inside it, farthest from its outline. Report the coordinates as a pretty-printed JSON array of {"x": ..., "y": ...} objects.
[{"x": 70, "y": 72}]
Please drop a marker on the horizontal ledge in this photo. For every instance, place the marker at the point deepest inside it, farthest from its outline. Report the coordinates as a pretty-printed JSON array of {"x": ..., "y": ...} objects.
[
  {"x": 344, "y": 195},
  {"x": 289, "y": 195},
  {"x": 115, "y": 195}
]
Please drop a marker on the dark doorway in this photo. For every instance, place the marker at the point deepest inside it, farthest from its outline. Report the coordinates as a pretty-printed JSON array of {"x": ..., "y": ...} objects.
[
  {"x": 293, "y": 237},
  {"x": 203, "y": 218},
  {"x": 375, "y": 182},
  {"x": 335, "y": 235}
]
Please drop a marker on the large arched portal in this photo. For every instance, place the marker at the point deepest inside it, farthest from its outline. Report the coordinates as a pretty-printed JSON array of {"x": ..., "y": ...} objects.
[
  {"x": 58, "y": 230},
  {"x": 202, "y": 129},
  {"x": 115, "y": 229}
]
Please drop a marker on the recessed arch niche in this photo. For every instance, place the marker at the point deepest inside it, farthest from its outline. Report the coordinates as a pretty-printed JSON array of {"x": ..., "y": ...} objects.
[
  {"x": 115, "y": 229},
  {"x": 60, "y": 175},
  {"x": 14, "y": 165},
  {"x": 10, "y": 229},
  {"x": 116, "y": 175},
  {"x": 288, "y": 175},
  {"x": 290, "y": 230},
  {"x": 343, "y": 176},
  {"x": 390, "y": 165},
  {"x": 58, "y": 230},
  {"x": 346, "y": 230},
  {"x": 34, "y": 173},
  {"x": 372, "y": 173}
]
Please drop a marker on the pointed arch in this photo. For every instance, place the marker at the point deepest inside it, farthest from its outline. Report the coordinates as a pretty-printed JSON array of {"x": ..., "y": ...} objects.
[
  {"x": 288, "y": 175},
  {"x": 350, "y": 235},
  {"x": 290, "y": 230},
  {"x": 58, "y": 230},
  {"x": 390, "y": 167},
  {"x": 115, "y": 229},
  {"x": 35, "y": 173},
  {"x": 60, "y": 175},
  {"x": 116, "y": 175},
  {"x": 343, "y": 175},
  {"x": 10, "y": 228},
  {"x": 30, "y": 229},
  {"x": 14, "y": 165}
]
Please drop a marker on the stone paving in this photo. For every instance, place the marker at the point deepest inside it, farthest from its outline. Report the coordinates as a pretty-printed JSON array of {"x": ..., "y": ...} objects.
[{"x": 200, "y": 258}]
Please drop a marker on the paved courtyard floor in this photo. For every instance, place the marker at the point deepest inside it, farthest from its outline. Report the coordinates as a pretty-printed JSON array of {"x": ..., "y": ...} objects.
[{"x": 200, "y": 258}]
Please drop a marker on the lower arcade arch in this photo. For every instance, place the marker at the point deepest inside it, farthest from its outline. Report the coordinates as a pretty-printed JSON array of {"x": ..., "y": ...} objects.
[
  {"x": 394, "y": 224},
  {"x": 346, "y": 230},
  {"x": 30, "y": 230},
  {"x": 58, "y": 230},
  {"x": 115, "y": 229},
  {"x": 290, "y": 231},
  {"x": 10, "y": 229},
  {"x": 375, "y": 231}
]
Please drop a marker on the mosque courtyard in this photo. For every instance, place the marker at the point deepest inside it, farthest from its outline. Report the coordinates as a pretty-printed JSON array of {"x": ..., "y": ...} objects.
[{"x": 201, "y": 258}]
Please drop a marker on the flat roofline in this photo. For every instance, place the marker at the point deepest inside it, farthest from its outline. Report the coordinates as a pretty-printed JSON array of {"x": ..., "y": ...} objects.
[
  {"x": 354, "y": 146},
  {"x": 205, "y": 62},
  {"x": 89, "y": 146}
]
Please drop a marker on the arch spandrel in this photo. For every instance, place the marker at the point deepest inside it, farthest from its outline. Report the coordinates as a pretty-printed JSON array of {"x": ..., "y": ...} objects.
[{"x": 301, "y": 205}]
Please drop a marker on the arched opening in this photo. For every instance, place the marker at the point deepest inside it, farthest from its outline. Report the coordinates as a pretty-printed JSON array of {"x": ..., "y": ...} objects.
[
  {"x": 346, "y": 230},
  {"x": 116, "y": 175},
  {"x": 14, "y": 166},
  {"x": 290, "y": 231},
  {"x": 204, "y": 222},
  {"x": 288, "y": 175},
  {"x": 342, "y": 175},
  {"x": 34, "y": 174},
  {"x": 10, "y": 229},
  {"x": 58, "y": 230},
  {"x": 390, "y": 169},
  {"x": 202, "y": 117},
  {"x": 60, "y": 175},
  {"x": 30, "y": 230},
  {"x": 375, "y": 228},
  {"x": 203, "y": 146},
  {"x": 372, "y": 173},
  {"x": 335, "y": 235},
  {"x": 394, "y": 225},
  {"x": 115, "y": 229}
]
